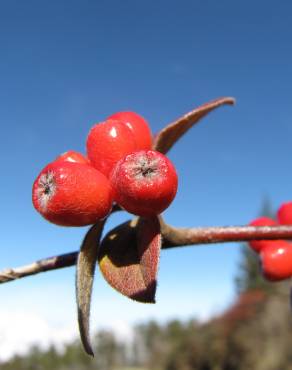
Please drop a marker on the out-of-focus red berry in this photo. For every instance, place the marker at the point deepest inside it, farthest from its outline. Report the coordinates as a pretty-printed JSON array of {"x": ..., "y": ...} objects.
[
  {"x": 276, "y": 260},
  {"x": 258, "y": 245},
  {"x": 285, "y": 214}
]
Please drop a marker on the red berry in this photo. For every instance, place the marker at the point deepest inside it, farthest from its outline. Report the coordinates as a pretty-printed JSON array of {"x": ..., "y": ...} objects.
[
  {"x": 285, "y": 214},
  {"x": 107, "y": 143},
  {"x": 71, "y": 194},
  {"x": 144, "y": 183},
  {"x": 138, "y": 126},
  {"x": 258, "y": 245},
  {"x": 276, "y": 260},
  {"x": 72, "y": 156}
]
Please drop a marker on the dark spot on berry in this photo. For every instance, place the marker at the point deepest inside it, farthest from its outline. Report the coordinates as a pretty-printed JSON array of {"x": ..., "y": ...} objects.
[
  {"x": 147, "y": 171},
  {"x": 47, "y": 189}
]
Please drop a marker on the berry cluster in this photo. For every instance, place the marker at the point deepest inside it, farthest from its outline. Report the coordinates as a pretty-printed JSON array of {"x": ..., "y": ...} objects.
[
  {"x": 275, "y": 255},
  {"x": 120, "y": 167}
]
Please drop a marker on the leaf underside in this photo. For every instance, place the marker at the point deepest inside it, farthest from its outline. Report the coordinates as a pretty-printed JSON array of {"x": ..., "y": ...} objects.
[
  {"x": 86, "y": 264},
  {"x": 129, "y": 257},
  {"x": 171, "y": 133}
]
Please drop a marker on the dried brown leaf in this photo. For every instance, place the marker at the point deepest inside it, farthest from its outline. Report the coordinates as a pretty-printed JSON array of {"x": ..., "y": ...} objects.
[
  {"x": 170, "y": 134},
  {"x": 86, "y": 264},
  {"x": 129, "y": 257}
]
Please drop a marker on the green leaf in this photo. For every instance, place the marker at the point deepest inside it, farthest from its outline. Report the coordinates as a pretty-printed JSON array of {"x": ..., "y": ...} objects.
[
  {"x": 129, "y": 257},
  {"x": 171, "y": 133},
  {"x": 86, "y": 264}
]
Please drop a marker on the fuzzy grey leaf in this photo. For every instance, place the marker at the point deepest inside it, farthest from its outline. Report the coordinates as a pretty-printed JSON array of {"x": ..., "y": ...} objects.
[
  {"x": 84, "y": 281},
  {"x": 129, "y": 256},
  {"x": 171, "y": 133}
]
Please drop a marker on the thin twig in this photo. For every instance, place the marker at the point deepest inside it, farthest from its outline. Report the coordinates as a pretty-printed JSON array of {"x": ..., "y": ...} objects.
[
  {"x": 172, "y": 237},
  {"x": 178, "y": 237},
  {"x": 46, "y": 264}
]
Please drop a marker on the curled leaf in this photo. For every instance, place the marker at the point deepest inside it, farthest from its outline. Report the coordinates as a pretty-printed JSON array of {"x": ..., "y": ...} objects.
[
  {"x": 129, "y": 257},
  {"x": 170, "y": 134},
  {"x": 86, "y": 263}
]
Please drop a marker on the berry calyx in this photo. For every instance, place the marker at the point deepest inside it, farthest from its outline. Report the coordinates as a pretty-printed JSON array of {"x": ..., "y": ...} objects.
[
  {"x": 72, "y": 194},
  {"x": 139, "y": 127},
  {"x": 258, "y": 245},
  {"x": 107, "y": 143},
  {"x": 72, "y": 156},
  {"x": 144, "y": 183},
  {"x": 276, "y": 260},
  {"x": 285, "y": 214}
]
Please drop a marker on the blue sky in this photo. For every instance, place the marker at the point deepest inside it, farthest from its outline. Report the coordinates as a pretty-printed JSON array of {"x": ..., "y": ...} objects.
[{"x": 66, "y": 65}]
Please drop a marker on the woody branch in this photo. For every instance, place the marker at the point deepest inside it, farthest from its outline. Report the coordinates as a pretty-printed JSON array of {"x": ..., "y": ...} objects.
[{"x": 172, "y": 237}]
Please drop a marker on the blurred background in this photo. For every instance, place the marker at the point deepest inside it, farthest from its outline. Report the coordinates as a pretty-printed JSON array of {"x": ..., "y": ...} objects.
[{"x": 66, "y": 65}]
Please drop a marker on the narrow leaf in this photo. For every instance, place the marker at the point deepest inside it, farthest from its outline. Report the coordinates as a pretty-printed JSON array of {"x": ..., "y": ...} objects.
[
  {"x": 129, "y": 257},
  {"x": 170, "y": 134},
  {"x": 84, "y": 281},
  {"x": 149, "y": 245}
]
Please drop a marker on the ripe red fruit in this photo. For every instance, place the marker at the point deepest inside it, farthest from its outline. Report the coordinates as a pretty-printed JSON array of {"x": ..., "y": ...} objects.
[
  {"x": 72, "y": 194},
  {"x": 276, "y": 260},
  {"x": 144, "y": 183},
  {"x": 285, "y": 214},
  {"x": 107, "y": 143},
  {"x": 139, "y": 127},
  {"x": 72, "y": 156},
  {"x": 258, "y": 245}
]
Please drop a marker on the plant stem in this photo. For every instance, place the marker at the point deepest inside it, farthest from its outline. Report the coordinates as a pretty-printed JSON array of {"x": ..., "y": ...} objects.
[{"x": 172, "y": 237}]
